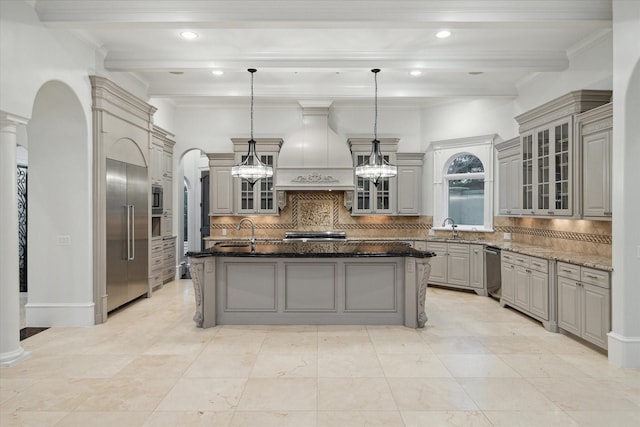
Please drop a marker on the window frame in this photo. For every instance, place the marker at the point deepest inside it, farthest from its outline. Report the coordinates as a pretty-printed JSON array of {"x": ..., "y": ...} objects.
[{"x": 444, "y": 153}]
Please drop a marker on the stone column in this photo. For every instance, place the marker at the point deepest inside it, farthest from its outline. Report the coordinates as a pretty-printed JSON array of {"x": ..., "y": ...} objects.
[{"x": 10, "y": 350}]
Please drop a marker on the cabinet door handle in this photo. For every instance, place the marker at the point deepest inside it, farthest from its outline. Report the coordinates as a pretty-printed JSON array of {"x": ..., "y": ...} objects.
[
  {"x": 527, "y": 270},
  {"x": 607, "y": 213}
]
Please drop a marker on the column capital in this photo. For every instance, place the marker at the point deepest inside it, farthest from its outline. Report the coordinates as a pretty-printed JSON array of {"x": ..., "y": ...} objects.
[{"x": 9, "y": 122}]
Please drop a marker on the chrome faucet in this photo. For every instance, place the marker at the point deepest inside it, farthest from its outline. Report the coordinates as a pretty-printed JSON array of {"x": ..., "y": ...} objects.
[
  {"x": 253, "y": 232},
  {"x": 454, "y": 232}
]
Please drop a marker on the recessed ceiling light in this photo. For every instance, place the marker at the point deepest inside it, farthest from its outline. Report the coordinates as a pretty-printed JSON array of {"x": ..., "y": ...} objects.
[
  {"x": 443, "y": 34},
  {"x": 217, "y": 72},
  {"x": 189, "y": 35},
  {"x": 415, "y": 72}
]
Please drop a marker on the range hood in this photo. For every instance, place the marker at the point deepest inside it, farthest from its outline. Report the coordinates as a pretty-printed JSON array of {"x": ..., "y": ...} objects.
[{"x": 315, "y": 157}]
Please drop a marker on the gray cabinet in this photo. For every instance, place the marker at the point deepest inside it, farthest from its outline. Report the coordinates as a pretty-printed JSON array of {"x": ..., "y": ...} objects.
[
  {"x": 594, "y": 129},
  {"x": 370, "y": 199},
  {"x": 409, "y": 183},
  {"x": 157, "y": 263},
  {"x": 234, "y": 196},
  {"x": 548, "y": 153},
  {"x": 457, "y": 265},
  {"x": 584, "y": 302},
  {"x": 168, "y": 259},
  {"x": 476, "y": 266},
  {"x": 509, "y": 177},
  {"x": 508, "y": 270},
  {"x": 221, "y": 183},
  {"x": 526, "y": 286}
]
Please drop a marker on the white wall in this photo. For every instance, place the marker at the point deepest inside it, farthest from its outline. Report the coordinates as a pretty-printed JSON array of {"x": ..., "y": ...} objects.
[
  {"x": 468, "y": 118},
  {"x": 59, "y": 203},
  {"x": 590, "y": 67},
  {"x": 33, "y": 57},
  {"x": 624, "y": 339}
]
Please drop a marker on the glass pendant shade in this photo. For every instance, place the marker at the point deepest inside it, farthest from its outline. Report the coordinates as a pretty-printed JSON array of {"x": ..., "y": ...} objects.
[
  {"x": 376, "y": 167},
  {"x": 251, "y": 168}
]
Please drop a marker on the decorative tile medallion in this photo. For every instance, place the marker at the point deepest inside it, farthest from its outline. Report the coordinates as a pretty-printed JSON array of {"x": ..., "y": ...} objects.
[{"x": 315, "y": 213}]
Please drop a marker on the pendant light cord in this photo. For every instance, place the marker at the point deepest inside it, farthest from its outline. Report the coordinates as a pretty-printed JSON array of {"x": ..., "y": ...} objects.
[
  {"x": 252, "y": 70},
  {"x": 375, "y": 119}
]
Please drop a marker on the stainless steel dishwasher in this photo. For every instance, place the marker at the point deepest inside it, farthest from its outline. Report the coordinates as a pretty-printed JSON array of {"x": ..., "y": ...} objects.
[{"x": 492, "y": 271}]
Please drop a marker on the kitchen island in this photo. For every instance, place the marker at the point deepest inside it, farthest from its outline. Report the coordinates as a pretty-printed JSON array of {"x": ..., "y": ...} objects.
[{"x": 352, "y": 282}]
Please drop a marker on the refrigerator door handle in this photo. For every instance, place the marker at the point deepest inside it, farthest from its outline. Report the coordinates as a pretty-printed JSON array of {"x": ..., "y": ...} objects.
[
  {"x": 133, "y": 233},
  {"x": 128, "y": 232}
]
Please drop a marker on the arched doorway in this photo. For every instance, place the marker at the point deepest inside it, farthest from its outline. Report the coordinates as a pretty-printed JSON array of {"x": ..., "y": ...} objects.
[{"x": 59, "y": 211}]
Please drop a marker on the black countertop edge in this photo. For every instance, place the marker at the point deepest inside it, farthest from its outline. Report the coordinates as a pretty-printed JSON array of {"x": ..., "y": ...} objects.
[{"x": 314, "y": 250}]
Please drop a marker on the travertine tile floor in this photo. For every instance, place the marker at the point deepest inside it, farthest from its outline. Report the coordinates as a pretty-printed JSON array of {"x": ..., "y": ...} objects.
[{"x": 475, "y": 364}]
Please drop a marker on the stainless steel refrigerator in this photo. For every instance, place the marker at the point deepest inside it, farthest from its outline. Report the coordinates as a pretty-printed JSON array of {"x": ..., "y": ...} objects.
[{"x": 127, "y": 233}]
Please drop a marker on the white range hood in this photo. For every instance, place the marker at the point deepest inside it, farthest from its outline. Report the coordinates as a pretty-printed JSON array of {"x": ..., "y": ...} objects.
[{"x": 315, "y": 157}]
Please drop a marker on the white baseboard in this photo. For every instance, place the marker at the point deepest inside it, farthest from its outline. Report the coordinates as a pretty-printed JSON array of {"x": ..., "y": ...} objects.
[
  {"x": 624, "y": 351},
  {"x": 56, "y": 314}
]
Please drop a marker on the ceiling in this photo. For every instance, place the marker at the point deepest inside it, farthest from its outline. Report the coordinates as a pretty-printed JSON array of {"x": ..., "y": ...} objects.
[{"x": 324, "y": 50}]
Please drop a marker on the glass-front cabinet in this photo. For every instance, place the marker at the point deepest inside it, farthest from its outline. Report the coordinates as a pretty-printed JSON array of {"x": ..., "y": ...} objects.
[
  {"x": 547, "y": 170},
  {"x": 371, "y": 199},
  {"x": 233, "y": 196},
  {"x": 550, "y": 183},
  {"x": 257, "y": 198}
]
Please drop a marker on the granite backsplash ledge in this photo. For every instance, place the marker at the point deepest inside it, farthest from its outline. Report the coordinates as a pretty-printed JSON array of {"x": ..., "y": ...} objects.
[{"x": 325, "y": 211}]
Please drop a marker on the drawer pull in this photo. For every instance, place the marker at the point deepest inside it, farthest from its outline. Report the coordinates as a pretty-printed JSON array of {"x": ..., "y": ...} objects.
[
  {"x": 607, "y": 214},
  {"x": 537, "y": 264},
  {"x": 566, "y": 270},
  {"x": 591, "y": 276}
]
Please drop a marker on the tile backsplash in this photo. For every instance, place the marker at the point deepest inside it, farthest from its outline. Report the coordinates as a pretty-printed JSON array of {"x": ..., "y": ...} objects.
[{"x": 325, "y": 210}]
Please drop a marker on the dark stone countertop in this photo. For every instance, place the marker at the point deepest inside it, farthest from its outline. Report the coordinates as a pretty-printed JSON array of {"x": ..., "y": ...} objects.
[{"x": 274, "y": 249}]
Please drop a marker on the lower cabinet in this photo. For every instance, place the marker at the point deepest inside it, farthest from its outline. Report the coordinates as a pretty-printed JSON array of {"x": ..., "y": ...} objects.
[
  {"x": 584, "y": 302},
  {"x": 459, "y": 265},
  {"x": 169, "y": 259},
  {"x": 526, "y": 286},
  {"x": 163, "y": 261},
  {"x": 156, "y": 263}
]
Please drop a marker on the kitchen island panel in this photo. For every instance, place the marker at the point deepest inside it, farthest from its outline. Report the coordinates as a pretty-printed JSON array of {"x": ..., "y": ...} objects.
[
  {"x": 250, "y": 286},
  {"x": 371, "y": 287},
  {"x": 310, "y": 287}
]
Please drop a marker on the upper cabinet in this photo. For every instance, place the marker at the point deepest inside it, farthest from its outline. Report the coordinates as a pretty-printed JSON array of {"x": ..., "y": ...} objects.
[
  {"x": 400, "y": 195},
  {"x": 548, "y": 154},
  {"x": 233, "y": 196},
  {"x": 509, "y": 177},
  {"x": 162, "y": 174},
  {"x": 370, "y": 199},
  {"x": 409, "y": 183},
  {"x": 593, "y": 133}
]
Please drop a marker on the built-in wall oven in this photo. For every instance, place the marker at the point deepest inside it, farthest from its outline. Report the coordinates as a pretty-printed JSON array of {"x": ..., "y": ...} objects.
[{"x": 156, "y": 199}]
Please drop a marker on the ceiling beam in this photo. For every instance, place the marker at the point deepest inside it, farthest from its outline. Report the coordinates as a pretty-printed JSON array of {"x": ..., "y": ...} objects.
[
  {"x": 460, "y": 61},
  {"x": 75, "y": 13}
]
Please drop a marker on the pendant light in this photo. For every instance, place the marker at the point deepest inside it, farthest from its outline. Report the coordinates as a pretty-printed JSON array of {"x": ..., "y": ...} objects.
[
  {"x": 376, "y": 167},
  {"x": 251, "y": 168}
]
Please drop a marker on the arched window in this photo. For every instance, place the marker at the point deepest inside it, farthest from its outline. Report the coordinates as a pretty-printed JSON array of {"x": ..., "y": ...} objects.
[{"x": 464, "y": 183}]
